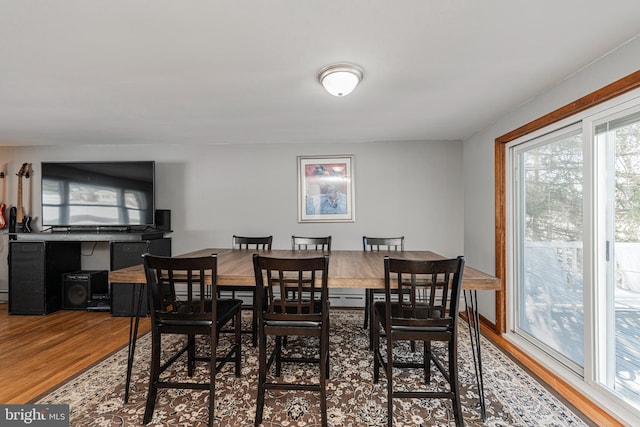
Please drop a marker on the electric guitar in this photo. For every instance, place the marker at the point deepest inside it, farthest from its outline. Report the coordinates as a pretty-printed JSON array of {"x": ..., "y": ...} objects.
[
  {"x": 3, "y": 220},
  {"x": 21, "y": 218}
]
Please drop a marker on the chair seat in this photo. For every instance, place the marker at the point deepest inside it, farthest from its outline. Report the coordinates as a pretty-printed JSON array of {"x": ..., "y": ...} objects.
[
  {"x": 185, "y": 323},
  {"x": 225, "y": 308},
  {"x": 421, "y": 329},
  {"x": 292, "y": 324},
  {"x": 421, "y": 312},
  {"x": 380, "y": 308}
]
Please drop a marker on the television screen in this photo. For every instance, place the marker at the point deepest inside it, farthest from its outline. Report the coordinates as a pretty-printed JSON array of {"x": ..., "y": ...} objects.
[{"x": 98, "y": 194}]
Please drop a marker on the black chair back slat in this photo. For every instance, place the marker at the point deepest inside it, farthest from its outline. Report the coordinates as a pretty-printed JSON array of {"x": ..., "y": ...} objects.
[{"x": 311, "y": 243}]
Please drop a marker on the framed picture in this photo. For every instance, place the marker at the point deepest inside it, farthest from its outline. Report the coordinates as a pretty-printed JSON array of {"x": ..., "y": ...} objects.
[{"x": 325, "y": 189}]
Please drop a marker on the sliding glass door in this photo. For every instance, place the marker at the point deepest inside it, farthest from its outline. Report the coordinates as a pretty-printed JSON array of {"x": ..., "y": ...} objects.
[{"x": 574, "y": 249}]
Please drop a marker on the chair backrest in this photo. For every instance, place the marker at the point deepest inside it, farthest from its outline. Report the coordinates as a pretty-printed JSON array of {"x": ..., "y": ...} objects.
[
  {"x": 311, "y": 243},
  {"x": 243, "y": 242},
  {"x": 196, "y": 275},
  {"x": 430, "y": 291},
  {"x": 386, "y": 244},
  {"x": 291, "y": 287}
]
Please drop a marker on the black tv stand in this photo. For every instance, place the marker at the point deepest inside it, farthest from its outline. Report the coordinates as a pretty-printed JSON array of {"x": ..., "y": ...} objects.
[{"x": 37, "y": 262}]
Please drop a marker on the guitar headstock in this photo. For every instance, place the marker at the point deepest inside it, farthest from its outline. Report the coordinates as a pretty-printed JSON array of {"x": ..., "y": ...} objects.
[{"x": 25, "y": 170}]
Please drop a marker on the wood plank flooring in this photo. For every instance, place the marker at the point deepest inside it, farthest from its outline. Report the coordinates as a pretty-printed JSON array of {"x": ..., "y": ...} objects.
[{"x": 39, "y": 352}]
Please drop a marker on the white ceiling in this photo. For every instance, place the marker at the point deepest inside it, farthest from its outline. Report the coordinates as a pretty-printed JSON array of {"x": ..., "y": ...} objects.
[{"x": 245, "y": 71}]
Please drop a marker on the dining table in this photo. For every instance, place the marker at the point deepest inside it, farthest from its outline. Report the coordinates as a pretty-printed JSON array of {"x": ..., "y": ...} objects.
[{"x": 347, "y": 269}]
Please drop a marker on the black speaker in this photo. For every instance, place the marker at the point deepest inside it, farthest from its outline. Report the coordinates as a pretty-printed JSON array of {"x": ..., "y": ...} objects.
[
  {"x": 86, "y": 289},
  {"x": 163, "y": 219},
  {"x": 27, "y": 290},
  {"x": 35, "y": 274},
  {"x": 124, "y": 299},
  {"x": 76, "y": 294}
]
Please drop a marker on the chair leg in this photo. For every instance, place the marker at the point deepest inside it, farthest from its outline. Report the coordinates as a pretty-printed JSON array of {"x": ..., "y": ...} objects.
[
  {"x": 369, "y": 303},
  {"x": 212, "y": 378},
  {"x": 324, "y": 375},
  {"x": 262, "y": 377},
  {"x": 153, "y": 380},
  {"x": 376, "y": 347},
  {"x": 191, "y": 354},
  {"x": 278, "y": 350},
  {"x": 453, "y": 381},
  {"x": 427, "y": 362},
  {"x": 389, "y": 380},
  {"x": 366, "y": 308},
  {"x": 327, "y": 347},
  {"x": 254, "y": 321},
  {"x": 238, "y": 342}
]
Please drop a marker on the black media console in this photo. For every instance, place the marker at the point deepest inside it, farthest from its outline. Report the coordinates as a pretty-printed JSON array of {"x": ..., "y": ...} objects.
[{"x": 40, "y": 262}]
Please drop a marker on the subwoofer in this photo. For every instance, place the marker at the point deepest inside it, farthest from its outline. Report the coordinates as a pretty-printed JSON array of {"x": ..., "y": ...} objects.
[
  {"x": 76, "y": 295},
  {"x": 85, "y": 289}
]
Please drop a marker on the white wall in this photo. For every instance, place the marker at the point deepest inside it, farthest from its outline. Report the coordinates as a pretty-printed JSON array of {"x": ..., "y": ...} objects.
[
  {"x": 478, "y": 155},
  {"x": 215, "y": 191}
]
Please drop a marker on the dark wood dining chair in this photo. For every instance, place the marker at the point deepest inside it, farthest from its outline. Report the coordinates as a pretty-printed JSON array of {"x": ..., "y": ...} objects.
[
  {"x": 427, "y": 312},
  {"x": 311, "y": 243},
  {"x": 248, "y": 243},
  {"x": 300, "y": 243},
  {"x": 179, "y": 303},
  {"x": 305, "y": 315},
  {"x": 377, "y": 244}
]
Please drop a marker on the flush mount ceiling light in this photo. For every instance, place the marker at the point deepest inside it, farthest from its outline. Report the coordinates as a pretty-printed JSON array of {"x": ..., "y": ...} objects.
[{"x": 340, "y": 79}]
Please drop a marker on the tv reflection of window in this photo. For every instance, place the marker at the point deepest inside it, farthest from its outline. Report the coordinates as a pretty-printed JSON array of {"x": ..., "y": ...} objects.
[{"x": 93, "y": 204}]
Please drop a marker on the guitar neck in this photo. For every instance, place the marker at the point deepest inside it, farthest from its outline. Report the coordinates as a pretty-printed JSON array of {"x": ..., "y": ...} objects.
[{"x": 20, "y": 211}]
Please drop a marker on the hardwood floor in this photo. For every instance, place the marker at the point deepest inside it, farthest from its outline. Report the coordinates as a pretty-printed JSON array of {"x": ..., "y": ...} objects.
[{"x": 39, "y": 352}]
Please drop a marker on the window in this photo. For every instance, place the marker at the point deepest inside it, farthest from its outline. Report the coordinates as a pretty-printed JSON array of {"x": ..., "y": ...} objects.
[{"x": 573, "y": 249}]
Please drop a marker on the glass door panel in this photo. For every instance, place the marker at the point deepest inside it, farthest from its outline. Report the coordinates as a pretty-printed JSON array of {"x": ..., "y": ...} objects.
[
  {"x": 549, "y": 194},
  {"x": 618, "y": 146}
]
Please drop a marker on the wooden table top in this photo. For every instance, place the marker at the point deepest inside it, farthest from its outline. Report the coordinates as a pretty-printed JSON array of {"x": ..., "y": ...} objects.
[{"x": 347, "y": 268}]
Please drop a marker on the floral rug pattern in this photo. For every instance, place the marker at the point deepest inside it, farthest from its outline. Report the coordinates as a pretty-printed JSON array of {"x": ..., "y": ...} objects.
[{"x": 96, "y": 396}]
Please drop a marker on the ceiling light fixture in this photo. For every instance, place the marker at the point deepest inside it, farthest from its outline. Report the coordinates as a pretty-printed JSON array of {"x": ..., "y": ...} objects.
[{"x": 340, "y": 79}]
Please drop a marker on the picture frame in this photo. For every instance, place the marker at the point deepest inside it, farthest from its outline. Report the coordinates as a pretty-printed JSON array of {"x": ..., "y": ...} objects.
[{"x": 326, "y": 189}]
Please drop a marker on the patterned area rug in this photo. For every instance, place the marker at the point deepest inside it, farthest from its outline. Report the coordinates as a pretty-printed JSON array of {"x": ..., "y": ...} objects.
[{"x": 513, "y": 397}]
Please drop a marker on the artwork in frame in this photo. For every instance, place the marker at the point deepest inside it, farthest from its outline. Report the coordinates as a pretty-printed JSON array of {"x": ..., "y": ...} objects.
[{"x": 325, "y": 189}]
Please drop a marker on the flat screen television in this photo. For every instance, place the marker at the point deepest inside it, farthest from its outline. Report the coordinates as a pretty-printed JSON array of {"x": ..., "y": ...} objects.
[{"x": 85, "y": 195}]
